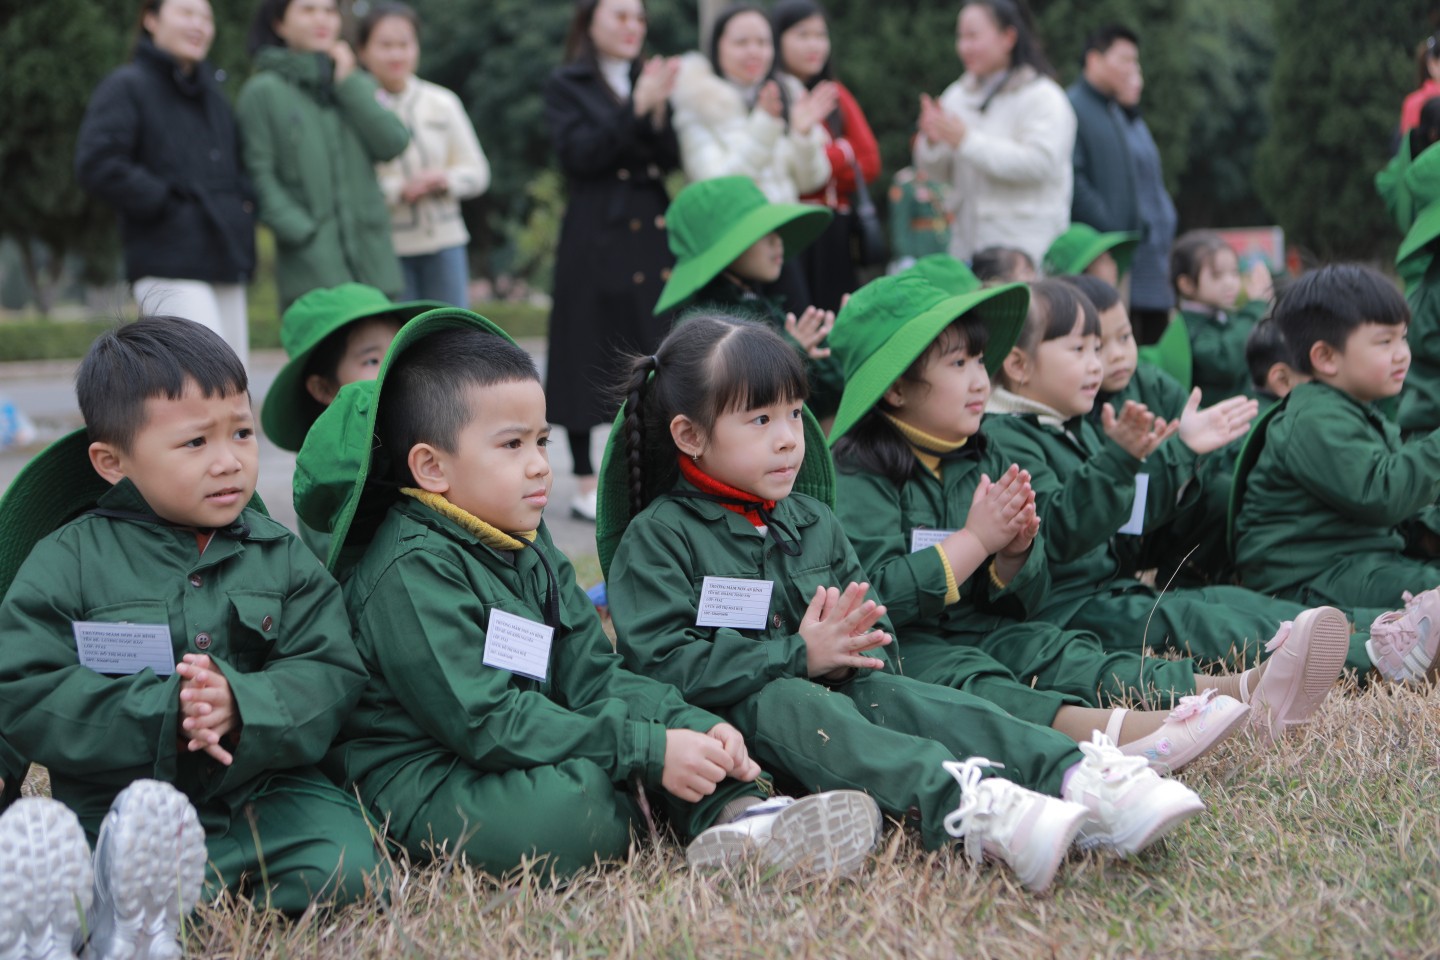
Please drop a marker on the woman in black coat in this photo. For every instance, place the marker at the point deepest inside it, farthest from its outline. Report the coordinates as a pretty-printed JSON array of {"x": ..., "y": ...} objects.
[
  {"x": 610, "y": 125},
  {"x": 159, "y": 143}
]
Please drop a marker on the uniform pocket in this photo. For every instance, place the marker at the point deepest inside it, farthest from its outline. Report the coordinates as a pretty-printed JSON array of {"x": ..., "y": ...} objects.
[{"x": 255, "y": 623}]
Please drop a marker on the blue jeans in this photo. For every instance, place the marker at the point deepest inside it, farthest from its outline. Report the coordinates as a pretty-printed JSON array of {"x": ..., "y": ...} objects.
[{"x": 443, "y": 275}]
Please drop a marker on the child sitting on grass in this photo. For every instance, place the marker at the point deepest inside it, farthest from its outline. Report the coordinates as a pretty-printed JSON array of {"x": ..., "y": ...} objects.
[
  {"x": 498, "y": 722},
  {"x": 163, "y": 627}
]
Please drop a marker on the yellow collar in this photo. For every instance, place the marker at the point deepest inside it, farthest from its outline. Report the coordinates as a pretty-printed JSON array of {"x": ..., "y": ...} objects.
[
  {"x": 927, "y": 449},
  {"x": 488, "y": 535}
]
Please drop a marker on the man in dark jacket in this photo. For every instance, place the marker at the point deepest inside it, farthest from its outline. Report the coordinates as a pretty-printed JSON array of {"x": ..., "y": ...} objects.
[
  {"x": 1104, "y": 171},
  {"x": 1151, "y": 296}
]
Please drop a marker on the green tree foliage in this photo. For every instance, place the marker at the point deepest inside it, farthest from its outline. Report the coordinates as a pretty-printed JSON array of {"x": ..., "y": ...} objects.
[{"x": 1341, "y": 71}]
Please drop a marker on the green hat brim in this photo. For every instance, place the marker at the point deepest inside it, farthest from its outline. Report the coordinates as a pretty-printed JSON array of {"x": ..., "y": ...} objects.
[
  {"x": 289, "y": 409},
  {"x": 1120, "y": 245},
  {"x": 799, "y": 225},
  {"x": 332, "y": 484},
  {"x": 1003, "y": 311},
  {"x": 56, "y": 486},
  {"x": 1422, "y": 232},
  {"x": 816, "y": 478}
]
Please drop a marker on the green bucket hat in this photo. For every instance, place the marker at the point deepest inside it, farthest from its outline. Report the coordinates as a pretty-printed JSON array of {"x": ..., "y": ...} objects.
[
  {"x": 712, "y": 222},
  {"x": 889, "y": 322},
  {"x": 332, "y": 473},
  {"x": 816, "y": 478},
  {"x": 55, "y": 487},
  {"x": 1081, "y": 245},
  {"x": 289, "y": 410},
  {"x": 1422, "y": 232},
  {"x": 947, "y": 273}
]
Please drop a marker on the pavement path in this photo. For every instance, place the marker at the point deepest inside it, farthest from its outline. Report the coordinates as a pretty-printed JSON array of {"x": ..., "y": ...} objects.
[{"x": 46, "y": 393}]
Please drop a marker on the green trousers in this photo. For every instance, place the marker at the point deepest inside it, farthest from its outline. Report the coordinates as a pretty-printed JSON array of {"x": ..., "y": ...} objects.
[
  {"x": 961, "y": 666},
  {"x": 571, "y": 814},
  {"x": 298, "y": 839},
  {"x": 1062, "y": 666},
  {"x": 1372, "y": 580},
  {"x": 888, "y": 735}
]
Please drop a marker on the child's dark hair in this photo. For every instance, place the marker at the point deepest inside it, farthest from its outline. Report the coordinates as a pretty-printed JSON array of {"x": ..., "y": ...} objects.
[
  {"x": 1327, "y": 305},
  {"x": 156, "y": 356},
  {"x": 424, "y": 398},
  {"x": 382, "y": 11},
  {"x": 1193, "y": 252},
  {"x": 873, "y": 444},
  {"x": 1053, "y": 306},
  {"x": 1101, "y": 294},
  {"x": 999, "y": 264},
  {"x": 710, "y": 364},
  {"x": 325, "y": 358},
  {"x": 1427, "y": 129},
  {"x": 1264, "y": 348}
]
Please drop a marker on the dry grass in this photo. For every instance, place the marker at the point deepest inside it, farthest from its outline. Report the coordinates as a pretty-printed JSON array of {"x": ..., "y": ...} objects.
[{"x": 1326, "y": 847}]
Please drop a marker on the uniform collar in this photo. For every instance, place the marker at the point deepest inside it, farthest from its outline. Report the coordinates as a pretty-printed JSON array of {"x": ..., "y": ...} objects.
[
  {"x": 123, "y": 501},
  {"x": 1003, "y": 401},
  {"x": 492, "y": 537},
  {"x": 929, "y": 450}
]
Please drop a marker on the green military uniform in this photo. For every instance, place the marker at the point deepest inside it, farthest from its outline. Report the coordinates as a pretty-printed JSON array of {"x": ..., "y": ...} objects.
[
  {"x": 919, "y": 222},
  {"x": 1327, "y": 502},
  {"x": 1217, "y": 350},
  {"x": 877, "y": 731},
  {"x": 272, "y": 619},
  {"x": 1085, "y": 488},
  {"x": 1411, "y": 189}
]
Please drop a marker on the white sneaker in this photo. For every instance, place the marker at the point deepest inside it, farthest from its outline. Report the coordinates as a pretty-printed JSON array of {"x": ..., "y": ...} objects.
[
  {"x": 149, "y": 866},
  {"x": 584, "y": 506},
  {"x": 45, "y": 880},
  {"x": 1404, "y": 645},
  {"x": 1002, "y": 820},
  {"x": 1130, "y": 805},
  {"x": 828, "y": 832}
]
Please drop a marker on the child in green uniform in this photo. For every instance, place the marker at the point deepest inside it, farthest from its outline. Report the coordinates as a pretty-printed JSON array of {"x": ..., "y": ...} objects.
[
  {"x": 748, "y": 597},
  {"x": 1205, "y": 273},
  {"x": 1003, "y": 265},
  {"x": 1272, "y": 364},
  {"x": 1084, "y": 251},
  {"x": 1333, "y": 492},
  {"x": 332, "y": 336},
  {"x": 1088, "y": 488},
  {"x": 730, "y": 244},
  {"x": 954, "y": 553},
  {"x": 171, "y": 630},
  {"x": 498, "y": 721}
]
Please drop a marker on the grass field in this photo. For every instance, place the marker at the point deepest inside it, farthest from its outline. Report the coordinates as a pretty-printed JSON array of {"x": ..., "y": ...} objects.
[{"x": 1327, "y": 846}]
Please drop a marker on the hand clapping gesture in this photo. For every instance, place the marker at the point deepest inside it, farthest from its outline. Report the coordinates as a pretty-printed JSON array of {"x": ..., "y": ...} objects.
[
  {"x": 810, "y": 330},
  {"x": 654, "y": 86},
  {"x": 939, "y": 125},
  {"x": 1137, "y": 431},
  {"x": 837, "y": 627},
  {"x": 1212, "y": 428}
]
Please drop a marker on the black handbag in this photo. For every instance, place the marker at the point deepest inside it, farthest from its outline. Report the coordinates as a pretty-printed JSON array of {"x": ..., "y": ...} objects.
[{"x": 869, "y": 232}]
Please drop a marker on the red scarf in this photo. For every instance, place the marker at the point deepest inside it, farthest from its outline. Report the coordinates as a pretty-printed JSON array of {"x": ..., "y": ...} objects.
[{"x": 702, "y": 481}]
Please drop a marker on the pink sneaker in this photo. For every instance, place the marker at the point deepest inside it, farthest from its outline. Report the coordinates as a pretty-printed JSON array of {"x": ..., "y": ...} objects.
[
  {"x": 1196, "y": 725},
  {"x": 1404, "y": 645},
  {"x": 1306, "y": 658}
]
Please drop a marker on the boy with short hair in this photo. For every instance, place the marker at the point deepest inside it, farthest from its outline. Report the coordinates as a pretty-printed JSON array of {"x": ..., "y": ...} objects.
[
  {"x": 1271, "y": 364},
  {"x": 498, "y": 721},
  {"x": 162, "y": 556},
  {"x": 1333, "y": 492}
]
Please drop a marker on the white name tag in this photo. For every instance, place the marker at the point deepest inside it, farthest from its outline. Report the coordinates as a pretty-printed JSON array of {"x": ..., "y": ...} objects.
[
  {"x": 518, "y": 645},
  {"x": 1136, "y": 525},
  {"x": 923, "y": 538},
  {"x": 124, "y": 648},
  {"x": 733, "y": 602}
]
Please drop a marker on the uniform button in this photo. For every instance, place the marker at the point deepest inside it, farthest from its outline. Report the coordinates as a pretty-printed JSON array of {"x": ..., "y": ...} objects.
[
  {"x": 639, "y": 277},
  {"x": 267, "y": 623},
  {"x": 635, "y": 225},
  {"x": 778, "y": 621},
  {"x": 660, "y": 222},
  {"x": 202, "y": 641},
  {"x": 622, "y": 174},
  {"x": 196, "y": 580}
]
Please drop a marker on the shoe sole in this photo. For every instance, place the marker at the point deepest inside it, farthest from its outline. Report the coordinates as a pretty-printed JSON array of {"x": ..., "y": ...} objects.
[
  {"x": 1155, "y": 831},
  {"x": 151, "y": 864},
  {"x": 831, "y": 832},
  {"x": 1324, "y": 636},
  {"x": 1208, "y": 741},
  {"x": 45, "y": 880}
]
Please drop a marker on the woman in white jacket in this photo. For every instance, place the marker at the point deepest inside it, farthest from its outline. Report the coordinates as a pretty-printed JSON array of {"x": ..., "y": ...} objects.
[
  {"x": 1002, "y": 135},
  {"x": 442, "y": 166}
]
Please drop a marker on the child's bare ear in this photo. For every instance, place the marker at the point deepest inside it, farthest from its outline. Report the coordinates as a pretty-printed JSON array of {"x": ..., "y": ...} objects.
[
  {"x": 1324, "y": 358},
  {"x": 1016, "y": 368},
  {"x": 105, "y": 458},
  {"x": 429, "y": 468},
  {"x": 1185, "y": 286},
  {"x": 689, "y": 438},
  {"x": 323, "y": 389},
  {"x": 895, "y": 394}
]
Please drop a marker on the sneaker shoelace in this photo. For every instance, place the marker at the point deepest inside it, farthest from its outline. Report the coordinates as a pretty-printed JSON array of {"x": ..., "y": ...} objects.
[
  {"x": 1114, "y": 766},
  {"x": 974, "y": 803}
]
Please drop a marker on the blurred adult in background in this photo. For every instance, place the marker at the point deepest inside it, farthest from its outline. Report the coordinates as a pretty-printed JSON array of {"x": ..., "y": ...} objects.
[
  {"x": 1427, "y": 75},
  {"x": 1105, "y": 193},
  {"x": 1002, "y": 135},
  {"x": 1151, "y": 295},
  {"x": 442, "y": 165},
  {"x": 828, "y": 265},
  {"x": 609, "y": 118},
  {"x": 159, "y": 143},
  {"x": 313, "y": 131}
]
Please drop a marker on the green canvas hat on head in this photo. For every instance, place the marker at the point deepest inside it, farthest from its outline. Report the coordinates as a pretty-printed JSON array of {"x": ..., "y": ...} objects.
[
  {"x": 816, "y": 478},
  {"x": 947, "y": 273},
  {"x": 338, "y": 487},
  {"x": 289, "y": 409},
  {"x": 1081, "y": 245},
  {"x": 890, "y": 322},
  {"x": 712, "y": 222},
  {"x": 1421, "y": 234},
  {"x": 55, "y": 487}
]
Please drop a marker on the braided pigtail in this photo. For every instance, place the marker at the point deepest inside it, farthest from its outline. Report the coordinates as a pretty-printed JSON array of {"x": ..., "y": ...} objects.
[{"x": 634, "y": 428}]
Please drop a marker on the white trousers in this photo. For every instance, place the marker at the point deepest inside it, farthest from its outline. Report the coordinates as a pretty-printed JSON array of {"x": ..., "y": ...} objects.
[{"x": 219, "y": 306}]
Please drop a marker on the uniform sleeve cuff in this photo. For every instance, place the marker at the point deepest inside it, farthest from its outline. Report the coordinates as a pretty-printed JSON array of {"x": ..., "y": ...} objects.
[{"x": 952, "y": 587}]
